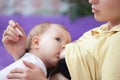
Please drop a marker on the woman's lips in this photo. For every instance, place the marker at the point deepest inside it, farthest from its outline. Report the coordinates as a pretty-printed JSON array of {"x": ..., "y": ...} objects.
[{"x": 94, "y": 10}]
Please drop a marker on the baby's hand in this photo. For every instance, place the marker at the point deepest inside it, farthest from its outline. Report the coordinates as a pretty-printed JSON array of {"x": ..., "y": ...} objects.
[
  {"x": 14, "y": 40},
  {"x": 12, "y": 23}
]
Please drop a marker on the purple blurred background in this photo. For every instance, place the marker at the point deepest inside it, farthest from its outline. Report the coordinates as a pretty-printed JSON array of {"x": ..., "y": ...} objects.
[{"x": 76, "y": 28}]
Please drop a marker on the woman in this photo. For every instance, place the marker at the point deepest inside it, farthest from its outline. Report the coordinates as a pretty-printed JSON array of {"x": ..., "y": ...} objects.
[{"x": 95, "y": 56}]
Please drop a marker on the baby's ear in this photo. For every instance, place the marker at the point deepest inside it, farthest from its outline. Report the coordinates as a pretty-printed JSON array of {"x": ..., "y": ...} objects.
[{"x": 35, "y": 42}]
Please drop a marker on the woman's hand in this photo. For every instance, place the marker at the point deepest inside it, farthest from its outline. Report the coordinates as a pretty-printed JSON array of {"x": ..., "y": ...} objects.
[
  {"x": 31, "y": 73},
  {"x": 14, "y": 40}
]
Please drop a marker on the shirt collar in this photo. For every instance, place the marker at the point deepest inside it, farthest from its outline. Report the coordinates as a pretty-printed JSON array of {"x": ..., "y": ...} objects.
[{"x": 104, "y": 28}]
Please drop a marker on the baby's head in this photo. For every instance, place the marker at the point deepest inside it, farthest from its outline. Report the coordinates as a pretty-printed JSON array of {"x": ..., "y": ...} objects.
[{"x": 47, "y": 41}]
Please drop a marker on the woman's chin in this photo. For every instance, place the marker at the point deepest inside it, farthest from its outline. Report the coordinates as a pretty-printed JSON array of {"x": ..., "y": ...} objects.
[{"x": 100, "y": 19}]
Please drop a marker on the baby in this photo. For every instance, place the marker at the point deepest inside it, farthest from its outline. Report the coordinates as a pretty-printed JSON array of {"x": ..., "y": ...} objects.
[{"x": 45, "y": 42}]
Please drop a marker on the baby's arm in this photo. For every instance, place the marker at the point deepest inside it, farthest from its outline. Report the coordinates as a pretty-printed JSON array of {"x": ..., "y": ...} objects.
[
  {"x": 6, "y": 71},
  {"x": 14, "y": 40}
]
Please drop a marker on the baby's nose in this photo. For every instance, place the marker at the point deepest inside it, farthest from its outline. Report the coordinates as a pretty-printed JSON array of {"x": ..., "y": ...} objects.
[{"x": 63, "y": 47}]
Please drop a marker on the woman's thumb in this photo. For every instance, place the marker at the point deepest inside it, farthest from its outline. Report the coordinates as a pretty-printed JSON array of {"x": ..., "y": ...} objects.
[{"x": 29, "y": 65}]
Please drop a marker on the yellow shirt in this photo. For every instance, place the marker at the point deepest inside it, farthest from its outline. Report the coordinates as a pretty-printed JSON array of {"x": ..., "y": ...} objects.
[{"x": 96, "y": 55}]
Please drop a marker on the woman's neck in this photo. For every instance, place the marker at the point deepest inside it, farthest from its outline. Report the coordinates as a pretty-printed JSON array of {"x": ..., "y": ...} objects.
[{"x": 112, "y": 24}]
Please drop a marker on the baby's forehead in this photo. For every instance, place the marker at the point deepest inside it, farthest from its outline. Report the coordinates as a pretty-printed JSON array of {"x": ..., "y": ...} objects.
[
  {"x": 53, "y": 29},
  {"x": 57, "y": 27},
  {"x": 57, "y": 30}
]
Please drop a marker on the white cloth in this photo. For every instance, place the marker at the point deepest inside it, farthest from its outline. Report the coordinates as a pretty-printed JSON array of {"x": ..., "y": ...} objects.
[{"x": 19, "y": 64}]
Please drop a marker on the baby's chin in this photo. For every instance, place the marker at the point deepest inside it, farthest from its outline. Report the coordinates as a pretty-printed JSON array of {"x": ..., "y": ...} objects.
[{"x": 54, "y": 64}]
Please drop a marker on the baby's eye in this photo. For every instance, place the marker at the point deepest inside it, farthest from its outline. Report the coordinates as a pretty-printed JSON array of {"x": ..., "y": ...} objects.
[{"x": 58, "y": 39}]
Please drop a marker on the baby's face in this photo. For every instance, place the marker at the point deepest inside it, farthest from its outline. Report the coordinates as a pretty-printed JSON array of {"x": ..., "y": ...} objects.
[{"x": 52, "y": 43}]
